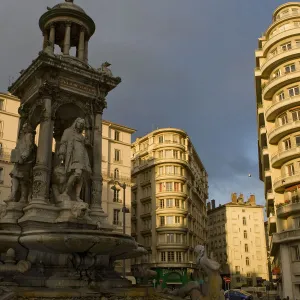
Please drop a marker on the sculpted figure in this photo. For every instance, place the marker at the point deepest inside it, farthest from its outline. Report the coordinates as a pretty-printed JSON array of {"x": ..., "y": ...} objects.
[
  {"x": 105, "y": 68},
  {"x": 23, "y": 157},
  {"x": 74, "y": 158}
]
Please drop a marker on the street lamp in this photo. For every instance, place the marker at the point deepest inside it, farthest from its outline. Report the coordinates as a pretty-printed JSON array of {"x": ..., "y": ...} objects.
[{"x": 125, "y": 211}]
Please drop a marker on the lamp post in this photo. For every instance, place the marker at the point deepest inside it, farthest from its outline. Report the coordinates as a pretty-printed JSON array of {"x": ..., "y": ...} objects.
[{"x": 125, "y": 210}]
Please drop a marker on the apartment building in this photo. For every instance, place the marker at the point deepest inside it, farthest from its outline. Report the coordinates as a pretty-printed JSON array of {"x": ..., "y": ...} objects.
[
  {"x": 168, "y": 203},
  {"x": 9, "y": 122},
  {"x": 277, "y": 77},
  {"x": 236, "y": 239}
]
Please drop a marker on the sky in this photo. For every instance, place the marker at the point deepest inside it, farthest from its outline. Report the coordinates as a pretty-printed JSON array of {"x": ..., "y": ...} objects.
[{"x": 187, "y": 64}]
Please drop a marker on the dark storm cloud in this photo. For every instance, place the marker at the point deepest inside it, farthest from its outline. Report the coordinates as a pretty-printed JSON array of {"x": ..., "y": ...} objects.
[{"x": 186, "y": 64}]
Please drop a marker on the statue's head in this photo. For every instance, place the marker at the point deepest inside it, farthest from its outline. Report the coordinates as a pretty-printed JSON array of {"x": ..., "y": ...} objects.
[
  {"x": 200, "y": 249},
  {"x": 79, "y": 124},
  {"x": 26, "y": 128}
]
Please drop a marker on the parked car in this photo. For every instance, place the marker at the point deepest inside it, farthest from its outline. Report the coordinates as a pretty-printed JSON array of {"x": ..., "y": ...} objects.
[{"x": 237, "y": 295}]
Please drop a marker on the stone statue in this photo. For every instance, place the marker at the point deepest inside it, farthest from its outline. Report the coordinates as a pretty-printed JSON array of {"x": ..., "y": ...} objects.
[
  {"x": 105, "y": 68},
  {"x": 23, "y": 157},
  {"x": 210, "y": 290},
  {"x": 74, "y": 158}
]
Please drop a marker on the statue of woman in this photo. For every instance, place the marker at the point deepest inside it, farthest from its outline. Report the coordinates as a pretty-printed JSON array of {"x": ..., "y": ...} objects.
[
  {"x": 23, "y": 157},
  {"x": 74, "y": 158}
]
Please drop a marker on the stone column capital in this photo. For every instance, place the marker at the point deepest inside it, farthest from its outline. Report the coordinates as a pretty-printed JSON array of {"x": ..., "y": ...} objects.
[
  {"x": 52, "y": 25},
  {"x": 48, "y": 90},
  {"x": 68, "y": 23},
  {"x": 99, "y": 104}
]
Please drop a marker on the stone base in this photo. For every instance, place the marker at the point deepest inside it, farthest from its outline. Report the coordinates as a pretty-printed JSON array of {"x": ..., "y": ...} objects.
[
  {"x": 100, "y": 219},
  {"x": 44, "y": 213},
  {"x": 11, "y": 212}
]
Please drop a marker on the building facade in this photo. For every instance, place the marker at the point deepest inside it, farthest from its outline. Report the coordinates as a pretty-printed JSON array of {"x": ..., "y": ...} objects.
[
  {"x": 277, "y": 77},
  {"x": 9, "y": 122},
  {"x": 236, "y": 239},
  {"x": 168, "y": 203}
]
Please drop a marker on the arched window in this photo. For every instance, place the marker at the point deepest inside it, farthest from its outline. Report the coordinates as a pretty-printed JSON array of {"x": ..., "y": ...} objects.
[
  {"x": 116, "y": 174},
  {"x": 247, "y": 261},
  {"x": 244, "y": 221},
  {"x": 246, "y": 248},
  {"x": 245, "y": 234}
]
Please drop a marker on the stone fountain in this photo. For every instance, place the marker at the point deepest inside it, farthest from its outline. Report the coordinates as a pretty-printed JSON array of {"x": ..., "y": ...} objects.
[{"x": 54, "y": 234}]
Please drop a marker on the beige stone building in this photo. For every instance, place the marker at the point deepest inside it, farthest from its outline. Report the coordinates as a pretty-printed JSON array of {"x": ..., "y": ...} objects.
[
  {"x": 236, "y": 239},
  {"x": 277, "y": 76},
  {"x": 168, "y": 202},
  {"x": 9, "y": 122}
]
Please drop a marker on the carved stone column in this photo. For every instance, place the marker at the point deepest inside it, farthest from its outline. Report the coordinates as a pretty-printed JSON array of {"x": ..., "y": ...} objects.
[
  {"x": 42, "y": 169},
  {"x": 96, "y": 204},
  {"x": 67, "y": 40},
  {"x": 46, "y": 39},
  {"x": 86, "y": 50},
  {"x": 81, "y": 44},
  {"x": 52, "y": 35}
]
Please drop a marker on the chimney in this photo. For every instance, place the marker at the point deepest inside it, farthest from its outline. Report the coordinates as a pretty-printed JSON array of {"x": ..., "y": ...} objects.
[
  {"x": 208, "y": 206},
  {"x": 213, "y": 204},
  {"x": 241, "y": 198},
  {"x": 252, "y": 200},
  {"x": 233, "y": 198}
]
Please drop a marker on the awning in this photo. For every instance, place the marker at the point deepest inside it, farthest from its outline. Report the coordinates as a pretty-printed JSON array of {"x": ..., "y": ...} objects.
[{"x": 179, "y": 283}]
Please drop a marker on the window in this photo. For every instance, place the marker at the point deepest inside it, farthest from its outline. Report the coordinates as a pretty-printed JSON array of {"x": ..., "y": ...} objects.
[
  {"x": 161, "y": 139},
  {"x": 117, "y": 135},
  {"x": 170, "y": 238},
  {"x": 177, "y": 203},
  {"x": 177, "y": 170},
  {"x": 290, "y": 170},
  {"x": 1, "y": 104},
  {"x": 171, "y": 256},
  {"x": 163, "y": 256},
  {"x": 290, "y": 68},
  {"x": 169, "y": 203},
  {"x": 280, "y": 96},
  {"x": 287, "y": 144},
  {"x": 160, "y": 187},
  {"x": 162, "y": 203},
  {"x": 169, "y": 170},
  {"x": 277, "y": 73},
  {"x": 246, "y": 248},
  {"x": 179, "y": 256},
  {"x": 169, "y": 186},
  {"x": 176, "y": 154},
  {"x": 296, "y": 252},
  {"x": 284, "y": 119},
  {"x": 297, "y": 42},
  {"x": 177, "y": 220},
  {"x": 117, "y": 155},
  {"x": 116, "y": 195},
  {"x": 162, "y": 221},
  {"x": 178, "y": 238},
  {"x": 297, "y": 140},
  {"x": 247, "y": 261},
  {"x": 294, "y": 91},
  {"x": 244, "y": 221},
  {"x": 1, "y": 175},
  {"x": 116, "y": 174},
  {"x": 238, "y": 279},
  {"x": 176, "y": 186},
  {"x": 161, "y": 170},
  {"x": 160, "y": 154},
  {"x": 274, "y": 52},
  {"x": 296, "y": 115},
  {"x": 116, "y": 217},
  {"x": 287, "y": 46},
  {"x": 237, "y": 270},
  {"x": 1, "y": 128},
  {"x": 168, "y": 153},
  {"x": 245, "y": 234},
  {"x": 248, "y": 275},
  {"x": 169, "y": 220},
  {"x": 175, "y": 138}
]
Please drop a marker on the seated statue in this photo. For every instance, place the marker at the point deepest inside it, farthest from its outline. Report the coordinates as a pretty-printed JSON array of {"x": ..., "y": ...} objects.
[
  {"x": 23, "y": 157},
  {"x": 75, "y": 163}
]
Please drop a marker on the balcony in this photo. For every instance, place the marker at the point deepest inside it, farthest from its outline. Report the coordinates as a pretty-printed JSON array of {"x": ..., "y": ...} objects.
[
  {"x": 287, "y": 210},
  {"x": 172, "y": 245},
  {"x": 172, "y": 227},
  {"x": 274, "y": 60},
  {"x": 280, "y": 106},
  {"x": 278, "y": 36},
  {"x": 276, "y": 83},
  {"x": 172, "y": 193},
  {"x": 280, "y": 131},
  {"x": 170, "y": 176},
  {"x": 282, "y": 156},
  {"x": 262, "y": 130},
  {"x": 172, "y": 210},
  {"x": 270, "y": 195},
  {"x": 281, "y": 183},
  {"x": 286, "y": 236},
  {"x": 119, "y": 177},
  {"x": 271, "y": 224},
  {"x": 169, "y": 143}
]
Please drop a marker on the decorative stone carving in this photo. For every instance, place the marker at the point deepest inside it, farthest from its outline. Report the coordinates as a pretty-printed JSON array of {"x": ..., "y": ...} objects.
[
  {"x": 3, "y": 209},
  {"x": 99, "y": 104},
  {"x": 105, "y": 69},
  {"x": 23, "y": 157},
  {"x": 74, "y": 157},
  {"x": 80, "y": 210}
]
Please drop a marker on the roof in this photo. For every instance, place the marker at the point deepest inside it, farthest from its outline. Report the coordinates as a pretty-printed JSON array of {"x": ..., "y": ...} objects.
[
  {"x": 119, "y": 126},
  {"x": 68, "y": 4}
]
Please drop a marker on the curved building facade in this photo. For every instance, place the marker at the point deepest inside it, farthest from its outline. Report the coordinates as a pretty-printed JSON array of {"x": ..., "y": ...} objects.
[
  {"x": 277, "y": 77},
  {"x": 168, "y": 203}
]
